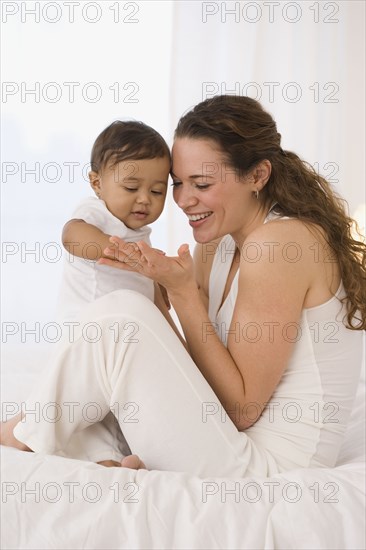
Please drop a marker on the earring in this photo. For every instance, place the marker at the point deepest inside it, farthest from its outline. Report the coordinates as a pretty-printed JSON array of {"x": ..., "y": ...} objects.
[{"x": 256, "y": 192}]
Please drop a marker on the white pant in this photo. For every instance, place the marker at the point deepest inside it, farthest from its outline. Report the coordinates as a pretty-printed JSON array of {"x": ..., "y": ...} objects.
[{"x": 138, "y": 368}]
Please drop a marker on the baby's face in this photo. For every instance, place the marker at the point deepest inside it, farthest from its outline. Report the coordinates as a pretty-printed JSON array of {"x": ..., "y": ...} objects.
[{"x": 134, "y": 190}]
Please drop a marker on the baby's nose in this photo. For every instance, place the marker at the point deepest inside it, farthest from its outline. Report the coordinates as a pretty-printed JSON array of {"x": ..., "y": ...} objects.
[{"x": 143, "y": 197}]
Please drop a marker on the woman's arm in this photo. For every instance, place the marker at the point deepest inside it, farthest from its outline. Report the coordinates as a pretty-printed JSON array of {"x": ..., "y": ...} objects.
[
  {"x": 162, "y": 306},
  {"x": 203, "y": 257},
  {"x": 265, "y": 323}
]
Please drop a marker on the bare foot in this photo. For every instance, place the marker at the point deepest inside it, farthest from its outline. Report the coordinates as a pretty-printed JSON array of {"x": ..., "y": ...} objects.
[
  {"x": 131, "y": 461},
  {"x": 110, "y": 463},
  {"x": 7, "y": 437}
]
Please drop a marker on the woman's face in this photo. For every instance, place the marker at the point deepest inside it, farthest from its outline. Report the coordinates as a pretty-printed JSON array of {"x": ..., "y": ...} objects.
[{"x": 216, "y": 201}]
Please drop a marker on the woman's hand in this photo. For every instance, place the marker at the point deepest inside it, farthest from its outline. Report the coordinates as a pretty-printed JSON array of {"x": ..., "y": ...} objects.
[{"x": 174, "y": 273}]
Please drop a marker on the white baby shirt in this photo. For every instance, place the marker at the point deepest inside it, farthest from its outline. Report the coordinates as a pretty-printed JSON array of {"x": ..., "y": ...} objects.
[{"x": 84, "y": 280}]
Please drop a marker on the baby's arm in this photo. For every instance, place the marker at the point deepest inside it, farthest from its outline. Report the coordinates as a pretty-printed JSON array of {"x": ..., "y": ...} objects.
[{"x": 84, "y": 240}]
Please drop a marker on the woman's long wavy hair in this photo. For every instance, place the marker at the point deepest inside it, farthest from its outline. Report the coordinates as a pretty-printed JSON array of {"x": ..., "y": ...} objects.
[{"x": 246, "y": 135}]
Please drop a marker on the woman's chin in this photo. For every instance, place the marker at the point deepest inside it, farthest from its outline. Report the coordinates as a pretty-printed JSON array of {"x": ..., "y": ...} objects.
[{"x": 202, "y": 238}]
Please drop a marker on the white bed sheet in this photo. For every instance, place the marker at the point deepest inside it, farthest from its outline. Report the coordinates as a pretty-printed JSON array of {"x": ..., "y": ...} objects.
[{"x": 54, "y": 502}]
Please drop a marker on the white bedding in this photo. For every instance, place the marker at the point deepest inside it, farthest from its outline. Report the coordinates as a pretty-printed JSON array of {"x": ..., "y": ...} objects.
[{"x": 54, "y": 502}]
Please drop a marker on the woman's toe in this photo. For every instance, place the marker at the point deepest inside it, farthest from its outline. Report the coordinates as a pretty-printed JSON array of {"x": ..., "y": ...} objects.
[{"x": 133, "y": 462}]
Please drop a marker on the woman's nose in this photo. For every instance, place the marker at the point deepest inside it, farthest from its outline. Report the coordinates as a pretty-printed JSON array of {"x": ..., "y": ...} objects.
[{"x": 184, "y": 198}]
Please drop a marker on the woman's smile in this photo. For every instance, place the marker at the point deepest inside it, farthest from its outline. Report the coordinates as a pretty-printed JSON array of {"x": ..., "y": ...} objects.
[{"x": 195, "y": 220}]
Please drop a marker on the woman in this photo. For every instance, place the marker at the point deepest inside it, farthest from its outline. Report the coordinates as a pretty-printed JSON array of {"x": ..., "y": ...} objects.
[{"x": 272, "y": 309}]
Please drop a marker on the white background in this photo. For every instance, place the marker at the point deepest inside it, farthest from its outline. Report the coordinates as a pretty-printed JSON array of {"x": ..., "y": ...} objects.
[{"x": 304, "y": 61}]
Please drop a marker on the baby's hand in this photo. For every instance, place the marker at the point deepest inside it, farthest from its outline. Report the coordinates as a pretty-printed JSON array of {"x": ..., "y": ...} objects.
[
  {"x": 125, "y": 255},
  {"x": 121, "y": 252}
]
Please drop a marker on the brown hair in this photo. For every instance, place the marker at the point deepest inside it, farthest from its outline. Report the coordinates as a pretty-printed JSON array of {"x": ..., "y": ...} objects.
[
  {"x": 246, "y": 135},
  {"x": 124, "y": 140}
]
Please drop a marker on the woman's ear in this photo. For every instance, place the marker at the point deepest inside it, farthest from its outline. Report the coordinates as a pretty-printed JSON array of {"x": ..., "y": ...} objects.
[
  {"x": 94, "y": 180},
  {"x": 262, "y": 173}
]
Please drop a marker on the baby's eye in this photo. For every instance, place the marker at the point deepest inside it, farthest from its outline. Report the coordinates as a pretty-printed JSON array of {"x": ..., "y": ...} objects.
[
  {"x": 157, "y": 192},
  {"x": 130, "y": 189}
]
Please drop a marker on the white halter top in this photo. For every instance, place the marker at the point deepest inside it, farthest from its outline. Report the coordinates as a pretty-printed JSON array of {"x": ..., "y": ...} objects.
[
  {"x": 219, "y": 273},
  {"x": 307, "y": 415}
]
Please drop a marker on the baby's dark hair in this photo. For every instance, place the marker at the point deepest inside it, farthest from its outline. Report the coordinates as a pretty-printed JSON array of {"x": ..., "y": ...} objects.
[{"x": 125, "y": 140}]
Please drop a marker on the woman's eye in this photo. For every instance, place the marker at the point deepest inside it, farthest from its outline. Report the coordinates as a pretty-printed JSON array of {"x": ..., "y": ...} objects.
[{"x": 197, "y": 185}]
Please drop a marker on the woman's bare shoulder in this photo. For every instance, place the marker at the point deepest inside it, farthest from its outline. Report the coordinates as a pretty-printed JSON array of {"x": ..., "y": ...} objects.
[
  {"x": 289, "y": 232},
  {"x": 297, "y": 248}
]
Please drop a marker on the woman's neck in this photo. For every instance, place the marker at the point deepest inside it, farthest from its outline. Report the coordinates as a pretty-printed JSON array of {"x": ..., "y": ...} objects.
[{"x": 257, "y": 220}]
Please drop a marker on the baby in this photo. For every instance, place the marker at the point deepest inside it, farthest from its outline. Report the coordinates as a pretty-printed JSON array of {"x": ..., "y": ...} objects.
[{"x": 130, "y": 165}]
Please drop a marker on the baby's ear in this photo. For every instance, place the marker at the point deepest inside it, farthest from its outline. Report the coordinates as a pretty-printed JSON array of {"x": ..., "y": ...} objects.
[{"x": 94, "y": 180}]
